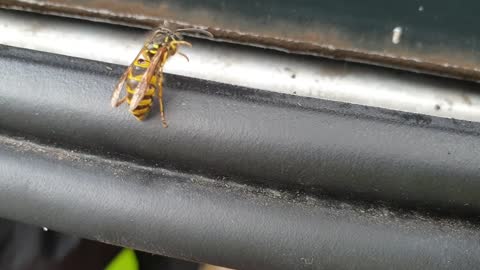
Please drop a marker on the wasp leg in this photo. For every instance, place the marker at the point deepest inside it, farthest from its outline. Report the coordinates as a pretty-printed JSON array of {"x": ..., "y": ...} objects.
[
  {"x": 181, "y": 42},
  {"x": 121, "y": 101},
  {"x": 160, "y": 96},
  {"x": 195, "y": 31}
]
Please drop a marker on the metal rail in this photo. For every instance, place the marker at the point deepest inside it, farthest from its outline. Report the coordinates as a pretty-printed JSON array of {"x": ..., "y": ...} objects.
[{"x": 250, "y": 67}]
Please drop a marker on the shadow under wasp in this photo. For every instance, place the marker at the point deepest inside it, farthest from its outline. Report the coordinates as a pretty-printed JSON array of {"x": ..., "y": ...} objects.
[{"x": 144, "y": 77}]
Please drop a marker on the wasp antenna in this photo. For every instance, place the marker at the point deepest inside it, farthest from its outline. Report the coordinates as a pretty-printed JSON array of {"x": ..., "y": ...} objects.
[
  {"x": 182, "y": 54},
  {"x": 162, "y": 30},
  {"x": 195, "y": 31}
]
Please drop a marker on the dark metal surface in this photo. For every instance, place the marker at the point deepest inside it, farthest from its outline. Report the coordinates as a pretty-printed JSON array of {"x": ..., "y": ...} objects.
[
  {"x": 214, "y": 221},
  {"x": 437, "y": 36},
  {"x": 248, "y": 135}
]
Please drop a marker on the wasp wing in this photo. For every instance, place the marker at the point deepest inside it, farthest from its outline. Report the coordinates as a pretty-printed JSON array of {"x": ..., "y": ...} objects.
[
  {"x": 119, "y": 87},
  {"x": 123, "y": 79},
  {"x": 144, "y": 83}
]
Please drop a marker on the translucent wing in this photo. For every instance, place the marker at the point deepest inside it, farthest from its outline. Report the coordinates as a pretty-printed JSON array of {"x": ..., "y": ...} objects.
[
  {"x": 123, "y": 79},
  {"x": 119, "y": 87}
]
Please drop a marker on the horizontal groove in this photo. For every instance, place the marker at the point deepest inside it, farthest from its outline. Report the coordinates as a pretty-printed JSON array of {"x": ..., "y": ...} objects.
[
  {"x": 318, "y": 146},
  {"x": 207, "y": 220},
  {"x": 251, "y": 67}
]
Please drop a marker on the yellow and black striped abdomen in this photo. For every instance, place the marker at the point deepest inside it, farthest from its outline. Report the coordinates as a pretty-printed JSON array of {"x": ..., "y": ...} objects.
[
  {"x": 143, "y": 108},
  {"x": 134, "y": 77}
]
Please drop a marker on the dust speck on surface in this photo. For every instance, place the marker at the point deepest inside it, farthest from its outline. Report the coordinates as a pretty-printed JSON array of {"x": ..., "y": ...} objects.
[
  {"x": 420, "y": 8},
  {"x": 466, "y": 99},
  {"x": 307, "y": 261}
]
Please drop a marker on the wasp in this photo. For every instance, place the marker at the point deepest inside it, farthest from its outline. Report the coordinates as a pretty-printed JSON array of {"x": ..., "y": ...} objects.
[{"x": 144, "y": 77}]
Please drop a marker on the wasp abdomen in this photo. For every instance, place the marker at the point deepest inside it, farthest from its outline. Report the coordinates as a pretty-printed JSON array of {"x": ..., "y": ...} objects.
[{"x": 143, "y": 108}]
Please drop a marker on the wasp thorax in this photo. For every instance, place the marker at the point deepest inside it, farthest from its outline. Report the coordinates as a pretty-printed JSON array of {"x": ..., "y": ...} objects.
[{"x": 154, "y": 45}]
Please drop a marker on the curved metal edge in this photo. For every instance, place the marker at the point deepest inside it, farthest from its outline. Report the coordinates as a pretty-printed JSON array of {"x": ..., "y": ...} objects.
[{"x": 322, "y": 147}]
